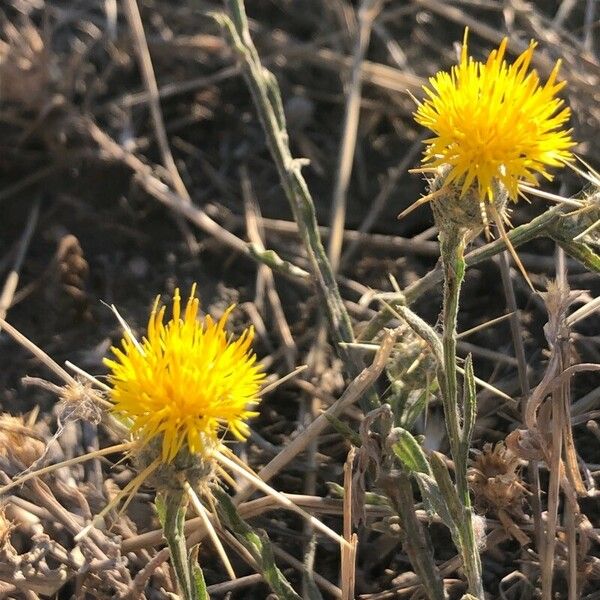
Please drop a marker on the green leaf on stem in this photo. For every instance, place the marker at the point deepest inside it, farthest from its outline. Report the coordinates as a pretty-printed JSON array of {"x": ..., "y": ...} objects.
[
  {"x": 257, "y": 543},
  {"x": 408, "y": 451}
]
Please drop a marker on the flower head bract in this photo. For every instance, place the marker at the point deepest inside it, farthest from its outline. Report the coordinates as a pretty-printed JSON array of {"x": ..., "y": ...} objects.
[
  {"x": 186, "y": 382},
  {"x": 495, "y": 122}
]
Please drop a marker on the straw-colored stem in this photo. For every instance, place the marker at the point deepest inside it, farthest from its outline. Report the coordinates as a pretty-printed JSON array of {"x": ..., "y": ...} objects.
[
  {"x": 66, "y": 463},
  {"x": 36, "y": 351},
  {"x": 203, "y": 514},
  {"x": 127, "y": 493},
  {"x": 367, "y": 13},
  {"x": 284, "y": 500}
]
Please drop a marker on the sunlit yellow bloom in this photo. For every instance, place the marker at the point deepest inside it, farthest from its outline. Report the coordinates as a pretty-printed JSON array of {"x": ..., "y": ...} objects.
[
  {"x": 495, "y": 121},
  {"x": 186, "y": 382}
]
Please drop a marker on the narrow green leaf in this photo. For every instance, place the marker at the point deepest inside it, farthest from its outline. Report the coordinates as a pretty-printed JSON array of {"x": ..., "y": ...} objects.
[
  {"x": 371, "y": 498},
  {"x": 415, "y": 409},
  {"x": 161, "y": 509},
  {"x": 580, "y": 252},
  {"x": 408, "y": 451},
  {"x": 345, "y": 431},
  {"x": 198, "y": 583},
  {"x": 469, "y": 404},
  {"x": 446, "y": 487},
  {"x": 415, "y": 537},
  {"x": 257, "y": 543},
  {"x": 434, "y": 501}
]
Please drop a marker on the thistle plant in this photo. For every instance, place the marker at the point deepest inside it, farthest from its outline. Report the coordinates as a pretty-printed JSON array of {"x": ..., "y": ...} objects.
[
  {"x": 176, "y": 391},
  {"x": 179, "y": 393},
  {"x": 173, "y": 395},
  {"x": 495, "y": 127}
]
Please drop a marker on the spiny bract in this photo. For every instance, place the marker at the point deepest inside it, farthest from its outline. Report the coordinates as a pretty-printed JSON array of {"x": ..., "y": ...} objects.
[{"x": 187, "y": 381}]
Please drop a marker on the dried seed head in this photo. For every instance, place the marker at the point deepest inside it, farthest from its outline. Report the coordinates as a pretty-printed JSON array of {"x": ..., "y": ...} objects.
[
  {"x": 18, "y": 442},
  {"x": 80, "y": 401},
  {"x": 496, "y": 480},
  {"x": 67, "y": 286}
]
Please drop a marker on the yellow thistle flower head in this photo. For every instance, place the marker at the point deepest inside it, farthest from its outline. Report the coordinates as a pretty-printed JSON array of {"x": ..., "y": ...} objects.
[
  {"x": 494, "y": 123},
  {"x": 186, "y": 382}
]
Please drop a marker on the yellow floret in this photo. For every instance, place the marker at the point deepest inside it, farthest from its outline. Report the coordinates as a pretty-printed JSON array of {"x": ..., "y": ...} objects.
[
  {"x": 186, "y": 382},
  {"x": 495, "y": 121}
]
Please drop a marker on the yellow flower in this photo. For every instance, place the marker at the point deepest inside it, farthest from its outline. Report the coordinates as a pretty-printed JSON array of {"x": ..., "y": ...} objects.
[
  {"x": 186, "y": 382},
  {"x": 494, "y": 121}
]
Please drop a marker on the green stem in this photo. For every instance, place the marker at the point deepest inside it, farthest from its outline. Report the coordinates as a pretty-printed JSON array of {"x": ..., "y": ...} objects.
[
  {"x": 415, "y": 538},
  {"x": 267, "y": 100},
  {"x": 257, "y": 543},
  {"x": 577, "y": 250},
  {"x": 265, "y": 93},
  {"x": 452, "y": 248},
  {"x": 559, "y": 223},
  {"x": 171, "y": 507}
]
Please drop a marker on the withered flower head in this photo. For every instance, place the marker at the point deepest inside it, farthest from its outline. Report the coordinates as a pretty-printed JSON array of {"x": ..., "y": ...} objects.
[
  {"x": 18, "y": 442},
  {"x": 495, "y": 479}
]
